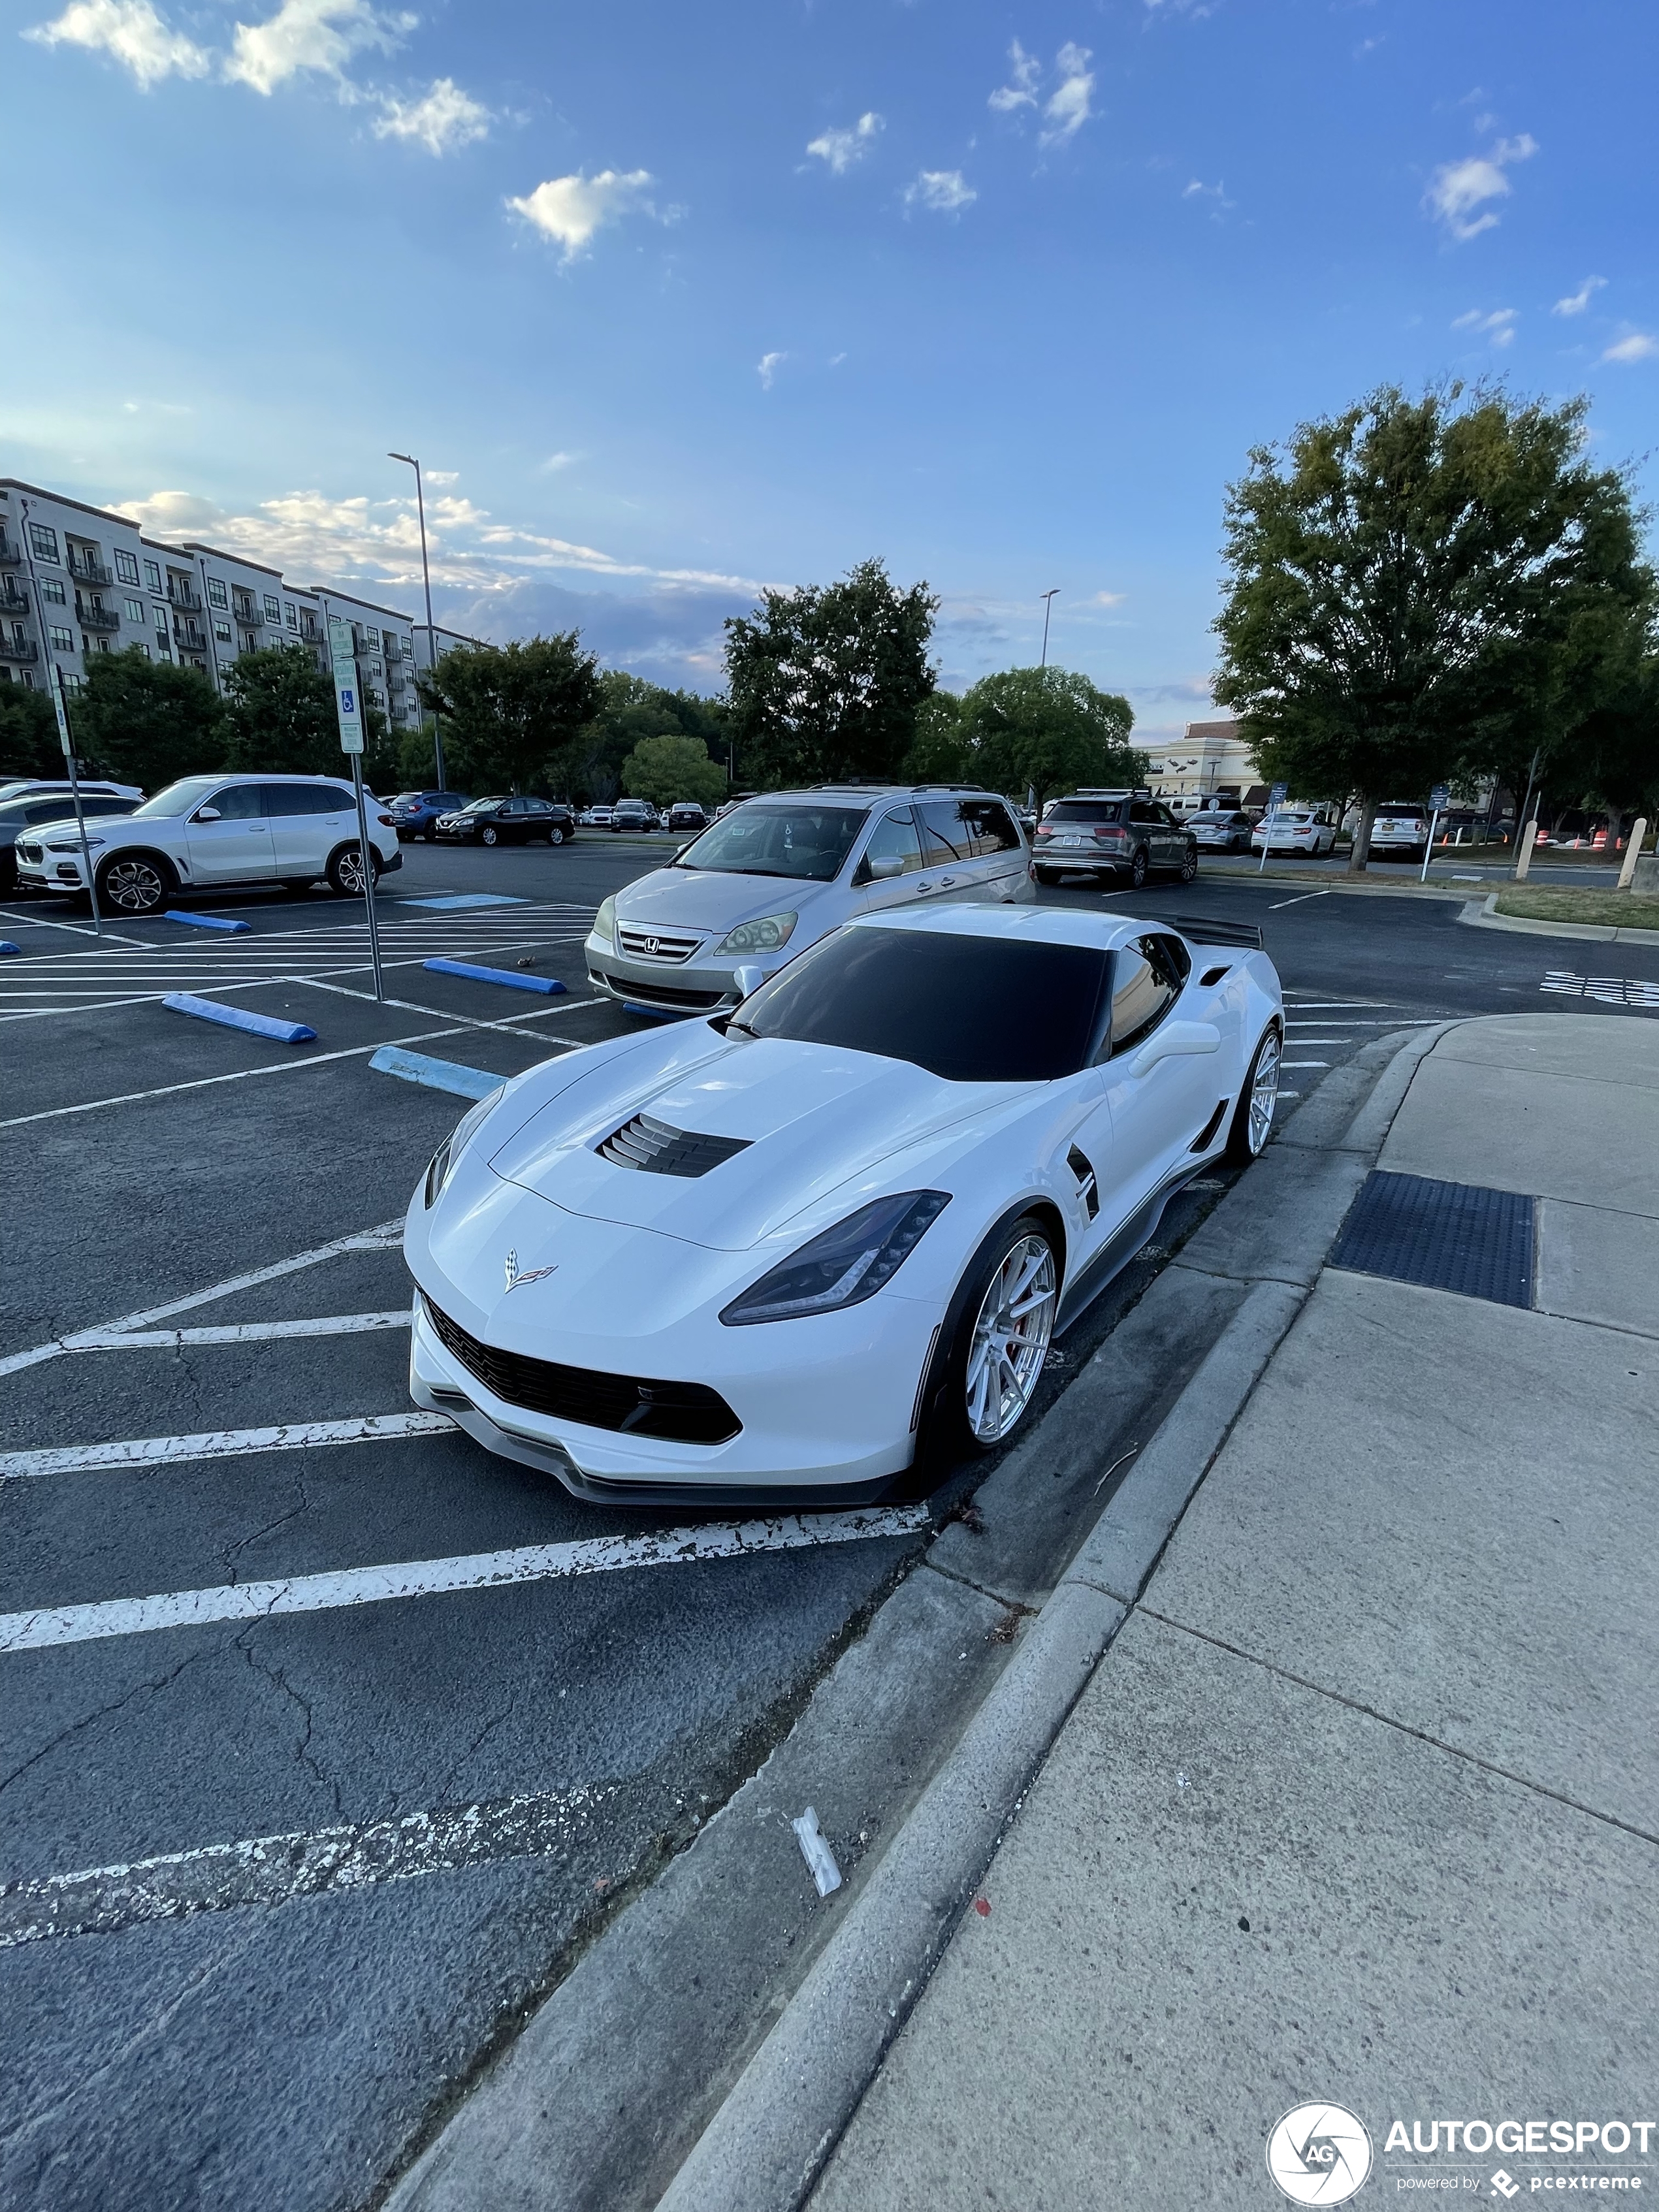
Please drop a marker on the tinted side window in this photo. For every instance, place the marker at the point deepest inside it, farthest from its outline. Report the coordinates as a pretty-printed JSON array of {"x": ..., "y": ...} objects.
[
  {"x": 989, "y": 827},
  {"x": 1140, "y": 811},
  {"x": 295, "y": 798},
  {"x": 1140, "y": 997},
  {"x": 945, "y": 834},
  {"x": 108, "y": 805},
  {"x": 240, "y": 802},
  {"x": 895, "y": 838},
  {"x": 1169, "y": 958}
]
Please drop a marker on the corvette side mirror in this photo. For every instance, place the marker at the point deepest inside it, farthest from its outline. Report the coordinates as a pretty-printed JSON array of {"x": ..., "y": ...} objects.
[
  {"x": 749, "y": 979},
  {"x": 206, "y": 814},
  {"x": 1176, "y": 1037},
  {"x": 885, "y": 868}
]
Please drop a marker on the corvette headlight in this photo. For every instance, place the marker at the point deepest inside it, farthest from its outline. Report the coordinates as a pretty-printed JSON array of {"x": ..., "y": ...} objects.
[
  {"x": 449, "y": 1153},
  {"x": 845, "y": 1265},
  {"x": 605, "y": 922},
  {"x": 766, "y": 935}
]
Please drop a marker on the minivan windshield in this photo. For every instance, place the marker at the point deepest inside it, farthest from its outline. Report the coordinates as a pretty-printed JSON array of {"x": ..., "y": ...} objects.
[
  {"x": 970, "y": 1009},
  {"x": 807, "y": 841},
  {"x": 179, "y": 798}
]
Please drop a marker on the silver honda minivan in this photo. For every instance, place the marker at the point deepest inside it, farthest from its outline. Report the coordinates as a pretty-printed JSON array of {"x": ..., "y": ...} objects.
[{"x": 780, "y": 872}]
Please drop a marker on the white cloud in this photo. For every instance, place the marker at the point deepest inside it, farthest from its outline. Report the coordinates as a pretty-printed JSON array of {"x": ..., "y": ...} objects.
[
  {"x": 1499, "y": 326},
  {"x": 571, "y": 208},
  {"x": 766, "y": 368},
  {"x": 1575, "y": 302},
  {"x": 1020, "y": 91},
  {"x": 554, "y": 462},
  {"x": 841, "y": 149},
  {"x": 1638, "y": 346},
  {"x": 1109, "y": 598},
  {"x": 447, "y": 119},
  {"x": 320, "y": 36},
  {"x": 131, "y": 32},
  {"x": 945, "y": 190},
  {"x": 442, "y": 476},
  {"x": 1068, "y": 110},
  {"x": 1460, "y": 188}
]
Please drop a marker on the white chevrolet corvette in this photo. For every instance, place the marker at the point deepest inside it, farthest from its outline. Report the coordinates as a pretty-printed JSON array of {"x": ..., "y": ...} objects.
[{"x": 790, "y": 1249}]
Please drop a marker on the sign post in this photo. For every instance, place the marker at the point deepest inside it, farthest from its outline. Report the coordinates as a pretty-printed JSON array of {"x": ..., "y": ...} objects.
[
  {"x": 1275, "y": 801},
  {"x": 1439, "y": 799},
  {"x": 348, "y": 701},
  {"x": 68, "y": 743}
]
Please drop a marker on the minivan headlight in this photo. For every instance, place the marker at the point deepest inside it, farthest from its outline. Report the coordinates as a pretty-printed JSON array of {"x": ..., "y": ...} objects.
[
  {"x": 843, "y": 1265},
  {"x": 605, "y": 922},
  {"x": 448, "y": 1155},
  {"x": 766, "y": 935}
]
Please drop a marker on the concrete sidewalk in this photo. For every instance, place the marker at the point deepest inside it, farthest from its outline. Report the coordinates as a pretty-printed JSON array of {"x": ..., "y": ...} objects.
[{"x": 1362, "y": 1804}]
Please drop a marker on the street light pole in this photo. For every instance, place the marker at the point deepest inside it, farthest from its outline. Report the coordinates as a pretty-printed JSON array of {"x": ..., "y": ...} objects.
[
  {"x": 1047, "y": 598},
  {"x": 431, "y": 635}
]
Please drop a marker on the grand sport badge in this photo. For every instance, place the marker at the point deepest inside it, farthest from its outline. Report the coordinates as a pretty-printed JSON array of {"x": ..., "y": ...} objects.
[{"x": 1319, "y": 2154}]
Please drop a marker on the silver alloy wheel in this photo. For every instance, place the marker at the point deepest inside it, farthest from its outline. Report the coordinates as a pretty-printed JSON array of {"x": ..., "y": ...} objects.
[
  {"x": 349, "y": 871},
  {"x": 132, "y": 886},
  {"x": 1011, "y": 1339},
  {"x": 1264, "y": 1091}
]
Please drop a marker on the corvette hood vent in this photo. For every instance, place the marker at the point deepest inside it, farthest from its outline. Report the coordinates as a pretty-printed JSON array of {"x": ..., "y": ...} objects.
[{"x": 660, "y": 1150}]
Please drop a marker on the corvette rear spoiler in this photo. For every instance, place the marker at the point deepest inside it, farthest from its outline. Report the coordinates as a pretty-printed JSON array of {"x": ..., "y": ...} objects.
[{"x": 1203, "y": 931}]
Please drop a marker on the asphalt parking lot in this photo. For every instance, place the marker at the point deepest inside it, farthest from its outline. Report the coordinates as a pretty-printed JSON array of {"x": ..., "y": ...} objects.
[{"x": 327, "y": 1738}]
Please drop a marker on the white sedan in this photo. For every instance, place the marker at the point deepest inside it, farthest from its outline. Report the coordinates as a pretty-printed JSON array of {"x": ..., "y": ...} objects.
[
  {"x": 1293, "y": 830},
  {"x": 793, "y": 1248}
]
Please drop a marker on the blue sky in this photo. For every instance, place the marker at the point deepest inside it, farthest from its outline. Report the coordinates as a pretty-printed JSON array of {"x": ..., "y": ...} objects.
[{"x": 674, "y": 301}]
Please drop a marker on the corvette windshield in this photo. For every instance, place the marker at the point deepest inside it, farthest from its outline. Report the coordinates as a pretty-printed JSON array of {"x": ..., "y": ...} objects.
[
  {"x": 969, "y": 1009},
  {"x": 809, "y": 842}
]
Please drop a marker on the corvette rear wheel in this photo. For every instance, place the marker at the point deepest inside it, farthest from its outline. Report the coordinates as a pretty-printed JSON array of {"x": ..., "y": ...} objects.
[
  {"x": 1004, "y": 1334},
  {"x": 1253, "y": 1117}
]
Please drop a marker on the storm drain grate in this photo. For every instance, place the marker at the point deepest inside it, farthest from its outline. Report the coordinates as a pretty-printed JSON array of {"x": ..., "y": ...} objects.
[{"x": 1445, "y": 1236}]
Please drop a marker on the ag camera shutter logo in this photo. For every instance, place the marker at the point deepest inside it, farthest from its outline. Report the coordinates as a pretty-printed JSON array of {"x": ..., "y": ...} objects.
[{"x": 1319, "y": 2154}]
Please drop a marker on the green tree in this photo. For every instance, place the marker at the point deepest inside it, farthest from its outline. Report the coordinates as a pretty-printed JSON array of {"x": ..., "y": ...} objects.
[
  {"x": 1421, "y": 588},
  {"x": 28, "y": 734},
  {"x": 673, "y": 766},
  {"x": 939, "y": 753},
  {"x": 1611, "y": 759},
  {"x": 514, "y": 714},
  {"x": 148, "y": 721},
  {"x": 280, "y": 716},
  {"x": 1047, "y": 730},
  {"x": 825, "y": 682}
]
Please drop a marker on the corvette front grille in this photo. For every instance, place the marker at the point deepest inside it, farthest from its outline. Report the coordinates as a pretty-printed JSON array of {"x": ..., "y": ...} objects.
[
  {"x": 660, "y": 1149},
  {"x": 680, "y": 1413}
]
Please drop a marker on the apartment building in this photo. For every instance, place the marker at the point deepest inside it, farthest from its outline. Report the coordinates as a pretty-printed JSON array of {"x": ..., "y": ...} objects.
[{"x": 77, "y": 579}]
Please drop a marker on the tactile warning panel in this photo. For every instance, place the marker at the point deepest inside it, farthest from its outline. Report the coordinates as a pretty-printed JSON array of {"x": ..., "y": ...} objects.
[{"x": 1446, "y": 1236}]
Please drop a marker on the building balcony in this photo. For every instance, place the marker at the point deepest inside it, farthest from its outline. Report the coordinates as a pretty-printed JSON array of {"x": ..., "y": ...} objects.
[
  {"x": 101, "y": 621},
  {"x": 11, "y": 554},
  {"x": 188, "y": 638},
  {"x": 14, "y": 602},
  {"x": 85, "y": 570},
  {"x": 19, "y": 649},
  {"x": 181, "y": 595}
]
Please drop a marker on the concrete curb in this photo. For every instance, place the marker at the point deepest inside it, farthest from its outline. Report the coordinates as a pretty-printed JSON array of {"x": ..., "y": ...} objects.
[
  {"x": 769, "y": 2142},
  {"x": 1482, "y": 914}
]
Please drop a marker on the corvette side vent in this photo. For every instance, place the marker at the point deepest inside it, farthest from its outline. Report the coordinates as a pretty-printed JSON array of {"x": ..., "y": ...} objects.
[
  {"x": 661, "y": 1150},
  {"x": 1088, "y": 1188}
]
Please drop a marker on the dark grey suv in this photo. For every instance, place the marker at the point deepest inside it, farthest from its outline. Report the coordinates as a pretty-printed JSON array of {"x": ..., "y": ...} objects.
[{"x": 1112, "y": 833}]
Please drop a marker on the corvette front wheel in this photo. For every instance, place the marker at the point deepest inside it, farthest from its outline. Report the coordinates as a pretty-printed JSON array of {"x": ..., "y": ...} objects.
[{"x": 1007, "y": 1319}]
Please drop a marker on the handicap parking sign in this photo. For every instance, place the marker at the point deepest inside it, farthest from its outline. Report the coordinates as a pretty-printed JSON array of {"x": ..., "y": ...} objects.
[{"x": 348, "y": 706}]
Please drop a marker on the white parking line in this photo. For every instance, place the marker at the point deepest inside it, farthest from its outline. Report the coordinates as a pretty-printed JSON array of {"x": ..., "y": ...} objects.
[
  {"x": 241, "y": 1331},
  {"x": 528, "y": 1563},
  {"x": 1304, "y": 1063},
  {"x": 1300, "y": 898},
  {"x": 384, "y": 1238},
  {"x": 271, "y": 1869},
  {"x": 218, "y": 1443}
]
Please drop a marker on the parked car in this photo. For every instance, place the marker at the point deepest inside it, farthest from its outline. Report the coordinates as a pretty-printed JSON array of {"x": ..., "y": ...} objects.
[
  {"x": 1294, "y": 830},
  {"x": 508, "y": 822},
  {"x": 773, "y": 875},
  {"x": 838, "y": 1230},
  {"x": 30, "y": 809},
  {"x": 209, "y": 832},
  {"x": 1112, "y": 833},
  {"x": 1400, "y": 832},
  {"x": 43, "y": 787},
  {"x": 685, "y": 816},
  {"x": 1221, "y": 830},
  {"x": 633, "y": 814},
  {"x": 595, "y": 817},
  {"x": 417, "y": 813}
]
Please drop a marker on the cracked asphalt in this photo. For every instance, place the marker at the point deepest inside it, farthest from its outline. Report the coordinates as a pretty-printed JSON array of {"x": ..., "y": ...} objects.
[{"x": 296, "y": 2051}]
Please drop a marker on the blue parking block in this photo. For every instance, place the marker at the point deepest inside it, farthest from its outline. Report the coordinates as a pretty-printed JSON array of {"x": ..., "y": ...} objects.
[
  {"x": 237, "y": 1017},
  {"x": 6, "y": 946},
  {"x": 204, "y": 920},
  {"x": 514, "y": 981},
  {"x": 452, "y": 899},
  {"x": 436, "y": 1074}
]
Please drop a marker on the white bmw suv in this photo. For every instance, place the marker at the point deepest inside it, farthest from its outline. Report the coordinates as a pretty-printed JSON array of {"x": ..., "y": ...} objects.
[
  {"x": 777, "y": 873},
  {"x": 206, "y": 833}
]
